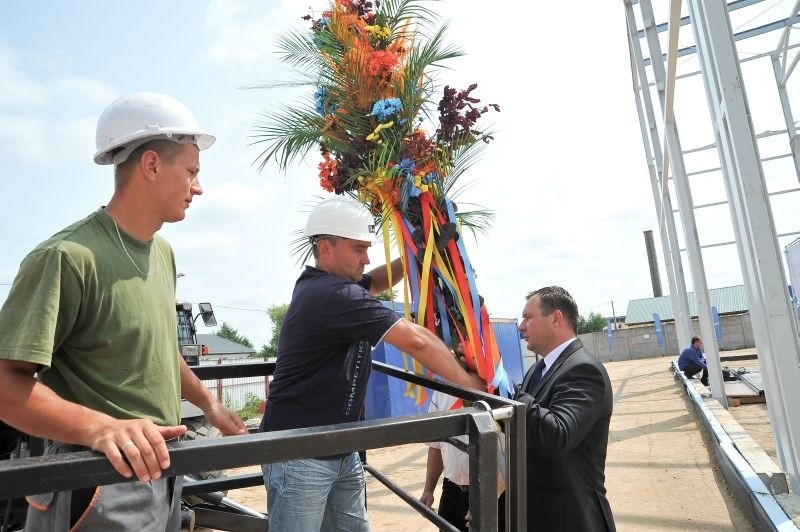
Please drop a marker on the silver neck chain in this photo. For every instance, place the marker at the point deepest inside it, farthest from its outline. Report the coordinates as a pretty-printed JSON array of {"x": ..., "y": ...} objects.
[{"x": 121, "y": 243}]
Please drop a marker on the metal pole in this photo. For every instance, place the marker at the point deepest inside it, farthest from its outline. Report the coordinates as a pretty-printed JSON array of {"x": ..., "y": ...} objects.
[
  {"x": 685, "y": 203},
  {"x": 663, "y": 203},
  {"x": 614, "y": 315},
  {"x": 482, "y": 471},
  {"x": 794, "y": 138}
]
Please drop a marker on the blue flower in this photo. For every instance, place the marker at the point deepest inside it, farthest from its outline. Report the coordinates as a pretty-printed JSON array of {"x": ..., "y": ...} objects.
[
  {"x": 406, "y": 166},
  {"x": 321, "y": 103},
  {"x": 386, "y": 108}
]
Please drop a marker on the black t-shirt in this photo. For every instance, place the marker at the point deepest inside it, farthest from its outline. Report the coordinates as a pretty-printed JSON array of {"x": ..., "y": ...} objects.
[{"x": 324, "y": 352}]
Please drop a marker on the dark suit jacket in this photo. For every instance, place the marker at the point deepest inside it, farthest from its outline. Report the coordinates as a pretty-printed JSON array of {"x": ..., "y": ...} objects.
[{"x": 568, "y": 413}]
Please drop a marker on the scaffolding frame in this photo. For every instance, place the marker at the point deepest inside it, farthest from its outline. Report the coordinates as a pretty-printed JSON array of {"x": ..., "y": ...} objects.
[{"x": 748, "y": 199}]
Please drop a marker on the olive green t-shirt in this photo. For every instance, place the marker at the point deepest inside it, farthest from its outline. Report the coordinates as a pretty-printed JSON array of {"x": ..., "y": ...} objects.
[{"x": 104, "y": 333}]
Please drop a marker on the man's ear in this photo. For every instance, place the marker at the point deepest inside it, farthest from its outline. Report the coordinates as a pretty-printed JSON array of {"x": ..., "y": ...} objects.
[
  {"x": 150, "y": 164},
  {"x": 324, "y": 246}
]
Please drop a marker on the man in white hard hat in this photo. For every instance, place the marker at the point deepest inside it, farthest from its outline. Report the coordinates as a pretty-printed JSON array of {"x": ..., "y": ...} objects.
[
  {"x": 88, "y": 334},
  {"x": 323, "y": 364}
]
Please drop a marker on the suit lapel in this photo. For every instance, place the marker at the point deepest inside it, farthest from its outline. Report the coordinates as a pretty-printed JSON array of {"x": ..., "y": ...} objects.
[{"x": 566, "y": 353}]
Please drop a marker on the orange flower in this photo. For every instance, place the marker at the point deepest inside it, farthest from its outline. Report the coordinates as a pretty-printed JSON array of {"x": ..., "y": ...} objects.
[{"x": 381, "y": 63}]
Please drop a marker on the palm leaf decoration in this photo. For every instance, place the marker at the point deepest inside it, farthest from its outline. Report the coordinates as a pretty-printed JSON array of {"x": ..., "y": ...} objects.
[{"x": 373, "y": 67}]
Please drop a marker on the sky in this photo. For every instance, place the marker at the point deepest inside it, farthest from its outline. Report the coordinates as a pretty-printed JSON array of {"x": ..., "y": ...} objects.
[{"x": 566, "y": 174}]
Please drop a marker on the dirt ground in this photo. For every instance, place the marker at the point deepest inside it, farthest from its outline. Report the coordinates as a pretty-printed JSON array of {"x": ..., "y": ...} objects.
[{"x": 660, "y": 474}]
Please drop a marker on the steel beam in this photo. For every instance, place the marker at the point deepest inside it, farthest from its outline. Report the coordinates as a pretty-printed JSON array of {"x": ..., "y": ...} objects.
[
  {"x": 685, "y": 202},
  {"x": 782, "y": 74},
  {"x": 746, "y": 34},
  {"x": 661, "y": 198}
]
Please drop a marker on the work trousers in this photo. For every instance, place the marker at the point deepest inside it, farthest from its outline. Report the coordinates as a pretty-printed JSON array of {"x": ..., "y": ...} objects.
[
  {"x": 131, "y": 506},
  {"x": 454, "y": 505},
  {"x": 316, "y": 494},
  {"x": 691, "y": 369}
]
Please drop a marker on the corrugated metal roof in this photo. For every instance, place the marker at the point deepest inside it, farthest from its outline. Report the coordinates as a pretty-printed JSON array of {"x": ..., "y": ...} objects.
[
  {"x": 727, "y": 299},
  {"x": 218, "y": 345}
]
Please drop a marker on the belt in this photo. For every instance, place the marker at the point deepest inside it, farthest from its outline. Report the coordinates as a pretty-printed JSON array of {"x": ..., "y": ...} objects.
[{"x": 449, "y": 483}]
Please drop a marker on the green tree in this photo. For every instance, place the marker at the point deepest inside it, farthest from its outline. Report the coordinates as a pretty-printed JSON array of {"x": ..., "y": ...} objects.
[
  {"x": 276, "y": 315},
  {"x": 229, "y": 333},
  {"x": 593, "y": 323}
]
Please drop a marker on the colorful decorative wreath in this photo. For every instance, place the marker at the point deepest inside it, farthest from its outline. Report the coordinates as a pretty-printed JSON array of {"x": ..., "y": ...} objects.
[{"x": 371, "y": 66}]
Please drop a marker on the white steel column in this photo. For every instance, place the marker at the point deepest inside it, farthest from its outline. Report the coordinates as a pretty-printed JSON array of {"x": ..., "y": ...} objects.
[
  {"x": 774, "y": 328},
  {"x": 685, "y": 205},
  {"x": 653, "y": 153}
]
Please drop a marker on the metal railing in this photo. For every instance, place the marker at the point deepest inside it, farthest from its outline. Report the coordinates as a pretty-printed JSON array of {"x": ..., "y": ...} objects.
[{"x": 479, "y": 422}]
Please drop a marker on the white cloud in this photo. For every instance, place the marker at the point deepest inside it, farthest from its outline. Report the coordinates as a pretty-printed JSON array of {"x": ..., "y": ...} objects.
[
  {"x": 81, "y": 90},
  {"x": 242, "y": 32},
  {"x": 23, "y": 137},
  {"x": 45, "y": 121},
  {"x": 19, "y": 92},
  {"x": 16, "y": 88}
]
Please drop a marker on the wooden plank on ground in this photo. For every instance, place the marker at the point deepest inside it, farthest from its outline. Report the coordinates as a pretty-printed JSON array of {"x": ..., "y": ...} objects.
[{"x": 742, "y": 392}]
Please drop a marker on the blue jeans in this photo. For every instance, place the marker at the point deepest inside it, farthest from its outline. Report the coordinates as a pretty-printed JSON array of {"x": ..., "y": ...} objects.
[{"x": 314, "y": 494}]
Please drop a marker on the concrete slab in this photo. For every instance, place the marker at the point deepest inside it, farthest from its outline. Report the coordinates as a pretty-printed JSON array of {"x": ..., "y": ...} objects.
[{"x": 764, "y": 466}]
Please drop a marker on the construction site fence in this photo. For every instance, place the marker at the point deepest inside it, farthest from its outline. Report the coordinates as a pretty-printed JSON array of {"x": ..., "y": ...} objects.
[{"x": 636, "y": 342}]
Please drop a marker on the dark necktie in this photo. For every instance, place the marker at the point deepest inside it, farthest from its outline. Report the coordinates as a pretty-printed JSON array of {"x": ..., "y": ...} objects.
[{"x": 537, "y": 373}]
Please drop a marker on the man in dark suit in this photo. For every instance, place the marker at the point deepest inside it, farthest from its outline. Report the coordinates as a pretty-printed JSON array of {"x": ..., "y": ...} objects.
[{"x": 569, "y": 403}]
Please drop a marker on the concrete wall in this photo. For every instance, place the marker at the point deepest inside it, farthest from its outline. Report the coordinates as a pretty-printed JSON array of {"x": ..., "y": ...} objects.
[{"x": 642, "y": 342}]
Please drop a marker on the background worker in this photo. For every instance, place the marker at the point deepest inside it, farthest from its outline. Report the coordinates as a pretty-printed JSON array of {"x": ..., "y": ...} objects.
[
  {"x": 691, "y": 362},
  {"x": 323, "y": 365},
  {"x": 88, "y": 335}
]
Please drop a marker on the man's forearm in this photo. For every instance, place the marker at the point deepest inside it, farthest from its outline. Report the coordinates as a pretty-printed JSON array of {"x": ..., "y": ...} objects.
[
  {"x": 427, "y": 349},
  {"x": 434, "y": 468},
  {"x": 36, "y": 410},
  {"x": 193, "y": 390},
  {"x": 437, "y": 358}
]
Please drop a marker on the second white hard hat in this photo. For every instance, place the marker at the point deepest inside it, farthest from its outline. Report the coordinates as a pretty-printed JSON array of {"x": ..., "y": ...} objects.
[
  {"x": 340, "y": 216},
  {"x": 134, "y": 119}
]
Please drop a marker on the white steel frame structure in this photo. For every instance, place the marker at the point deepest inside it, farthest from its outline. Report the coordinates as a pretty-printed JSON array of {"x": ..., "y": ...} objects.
[
  {"x": 756, "y": 238},
  {"x": 783, "y": 67}
]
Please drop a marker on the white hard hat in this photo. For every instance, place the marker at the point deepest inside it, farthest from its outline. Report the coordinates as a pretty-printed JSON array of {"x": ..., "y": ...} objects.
[
  {"x": 137, "y": 118},
  {"x": 340, "y": 216}
]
